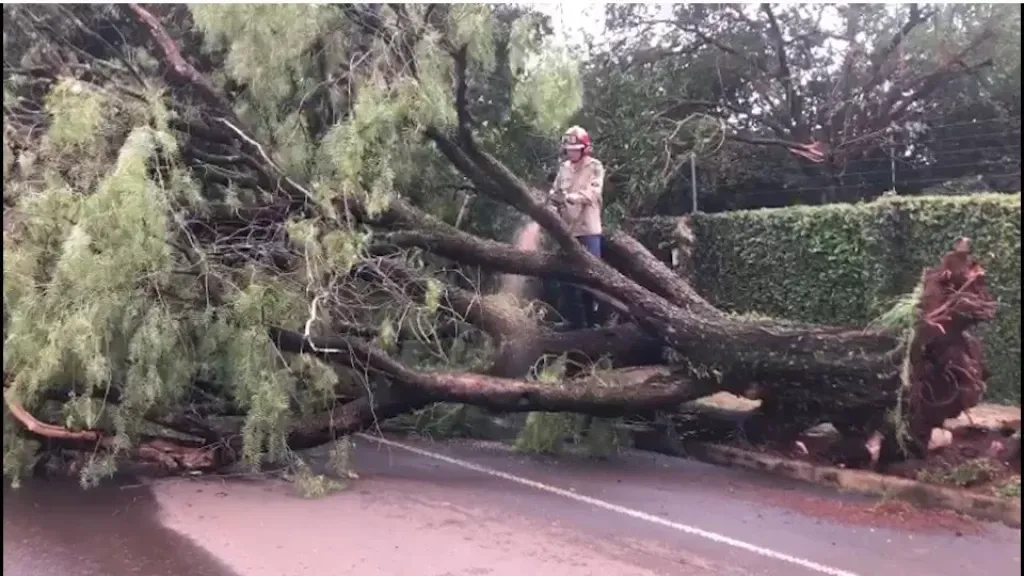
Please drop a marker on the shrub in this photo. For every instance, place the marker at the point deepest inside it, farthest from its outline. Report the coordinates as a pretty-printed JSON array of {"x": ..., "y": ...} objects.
[{"x": 848, "y": 263}]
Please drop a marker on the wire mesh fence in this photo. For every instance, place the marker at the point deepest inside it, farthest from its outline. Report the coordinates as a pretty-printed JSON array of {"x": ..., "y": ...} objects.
[{"x": 952, "y": 157}]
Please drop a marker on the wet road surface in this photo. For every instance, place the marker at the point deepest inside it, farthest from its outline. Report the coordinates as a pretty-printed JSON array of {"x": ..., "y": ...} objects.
[
  {"x": 52, "y": 528},
  {"x": 475, "y": 509}
]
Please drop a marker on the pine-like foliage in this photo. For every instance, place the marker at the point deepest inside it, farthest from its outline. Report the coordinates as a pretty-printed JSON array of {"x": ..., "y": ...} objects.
[{"x": 120, "y": 311}]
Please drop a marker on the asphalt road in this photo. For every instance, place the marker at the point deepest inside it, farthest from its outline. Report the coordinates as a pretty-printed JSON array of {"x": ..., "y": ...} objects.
[{"x": 474, "y": 509}]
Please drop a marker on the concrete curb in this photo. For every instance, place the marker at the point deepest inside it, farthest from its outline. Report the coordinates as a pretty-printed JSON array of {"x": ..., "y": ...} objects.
[{"x": 980, "y": 506}]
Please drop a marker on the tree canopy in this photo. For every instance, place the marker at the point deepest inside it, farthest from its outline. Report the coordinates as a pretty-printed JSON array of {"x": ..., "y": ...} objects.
[{"x": 234, "y": 231}]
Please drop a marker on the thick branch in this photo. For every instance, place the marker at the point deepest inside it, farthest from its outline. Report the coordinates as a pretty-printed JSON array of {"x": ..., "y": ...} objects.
[
  {"x": 347, "y": 351},
  {"x": 170, "y": 454},
  {"x": 50, "y": 431},
  {"x": 495, "y": 180},
  {"x": 621, "y": 346},
  {"x": 359, "y": 414},
  {"x": 607, "y": 393},
  {"x": 465, "y": 119},
  {"x": 631, "y": 258},
  {"x": 784, "y": 74},
  {"x": 178, "y": 69},
  {"x": 613, "y": 393},
  {"x": 610, "y": 393},
  {"x": 489, "y": 254}
]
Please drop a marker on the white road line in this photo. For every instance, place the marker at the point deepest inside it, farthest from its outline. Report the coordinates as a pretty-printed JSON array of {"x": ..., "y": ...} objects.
[{"x": 719, "y": 538}]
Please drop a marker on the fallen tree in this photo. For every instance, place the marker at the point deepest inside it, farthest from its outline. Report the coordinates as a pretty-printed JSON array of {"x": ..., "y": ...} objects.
[{"x": 236, "y": 309}]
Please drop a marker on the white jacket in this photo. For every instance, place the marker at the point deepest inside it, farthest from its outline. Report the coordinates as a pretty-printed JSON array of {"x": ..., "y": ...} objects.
[{"x": 577, "y": 192}]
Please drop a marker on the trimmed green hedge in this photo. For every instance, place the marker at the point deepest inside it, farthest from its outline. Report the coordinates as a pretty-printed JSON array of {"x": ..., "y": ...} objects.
[{"x": 846, "y": 264}]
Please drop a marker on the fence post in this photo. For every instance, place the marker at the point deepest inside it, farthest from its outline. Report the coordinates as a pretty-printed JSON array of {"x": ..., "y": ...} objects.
[{"x": 693, "y": 183}]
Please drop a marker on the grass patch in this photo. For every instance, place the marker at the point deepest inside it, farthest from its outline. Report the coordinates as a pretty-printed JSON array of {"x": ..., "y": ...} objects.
[
  {"x": 1009, "y": 488},
  {"x": 545, "y": 432},
  {"x": 549, "y": 433},
  {"x": 438, "y": 421},
  {"x": 312, "y": 484},
  {"x": 309, "y": 484},
  {"x": 965, "y": 475}
]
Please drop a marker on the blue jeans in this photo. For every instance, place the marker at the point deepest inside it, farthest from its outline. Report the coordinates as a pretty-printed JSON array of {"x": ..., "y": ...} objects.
[{"x": 578, "y": 305}]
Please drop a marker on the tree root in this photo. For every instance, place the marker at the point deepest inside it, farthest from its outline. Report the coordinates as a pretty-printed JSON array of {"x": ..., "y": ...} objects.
[{"x": 947, "y": 365}]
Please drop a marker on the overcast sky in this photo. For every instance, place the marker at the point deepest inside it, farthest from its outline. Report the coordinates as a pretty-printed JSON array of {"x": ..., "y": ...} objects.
[{"x": 571, "y": 21}]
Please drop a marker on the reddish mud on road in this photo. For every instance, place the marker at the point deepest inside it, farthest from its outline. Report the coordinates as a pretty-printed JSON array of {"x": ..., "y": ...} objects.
[{"x": 462, "y": 509}]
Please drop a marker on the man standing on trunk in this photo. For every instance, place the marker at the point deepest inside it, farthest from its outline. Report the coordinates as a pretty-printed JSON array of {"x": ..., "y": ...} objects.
[{"x": 576, "y": 193}]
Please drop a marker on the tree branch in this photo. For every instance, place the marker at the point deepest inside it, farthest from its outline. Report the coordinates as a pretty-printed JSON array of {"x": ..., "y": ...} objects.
[
  {"x": 170, "y": 454},
  {"x": 499, "y": 320},
  {"x": 814, "y": 151},
  {"x": 631, "y": 258},
  {"x": 618, "y": 391},
  {"x": 881, "y": 56},
  {"x": 784, "y": 75},
  {"x": 511, "y": 189}
]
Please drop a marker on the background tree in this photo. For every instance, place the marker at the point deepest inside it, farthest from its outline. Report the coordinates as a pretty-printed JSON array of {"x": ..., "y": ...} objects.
[{"x": 816, "y": 103}]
